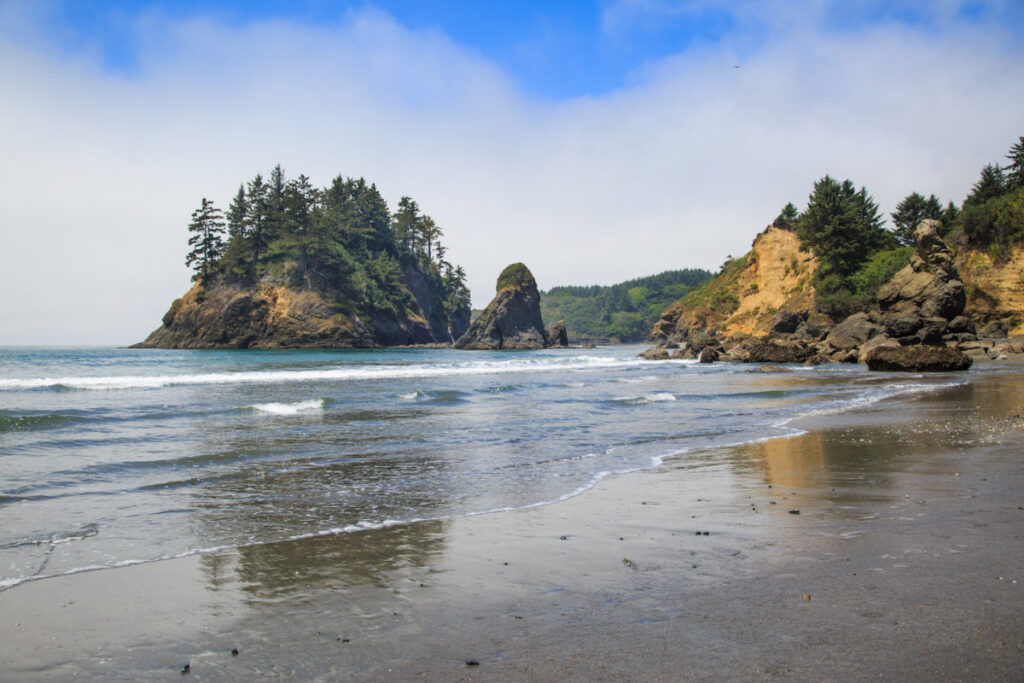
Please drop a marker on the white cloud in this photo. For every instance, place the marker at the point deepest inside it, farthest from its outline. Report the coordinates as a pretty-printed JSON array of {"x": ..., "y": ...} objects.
[{"x": 100, "y": 172}]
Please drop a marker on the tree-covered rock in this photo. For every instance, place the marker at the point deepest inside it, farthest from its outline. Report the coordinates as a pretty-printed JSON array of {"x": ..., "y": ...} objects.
[{"x": 384, "y": 273}]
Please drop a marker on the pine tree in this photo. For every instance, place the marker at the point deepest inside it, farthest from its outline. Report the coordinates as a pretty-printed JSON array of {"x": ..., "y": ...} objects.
[
  {"x": 406, "y": 225},
  {"x": 842, "y": 225},
  {"x": 910, "y": 212},
  {"x": 787, "y": 218},
  {"x": 430, "y": 233},
  {"x": 258, "y": 236},
  {"x": 1015, "y": 171},
  {"x": 990, "y": 185},
  {"x": 207, "y": 228}
]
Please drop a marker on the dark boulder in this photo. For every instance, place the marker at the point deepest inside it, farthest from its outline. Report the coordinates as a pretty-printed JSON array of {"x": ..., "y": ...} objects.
[
  {"x": 709, "y": 354},
  {"x": 556, "y": 334},
  {"x": 787, "y": 322},
  {"x": 779, "y": 351},
  {"x": 919, "y": 358}
]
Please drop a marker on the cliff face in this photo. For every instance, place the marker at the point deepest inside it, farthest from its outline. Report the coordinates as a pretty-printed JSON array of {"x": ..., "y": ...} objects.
[
  {"x": 774, "y": 277},
  {"x": 512, "y": 320},
  {"x": 995, "y": 287},
  {"x": 276, "y": 316}
]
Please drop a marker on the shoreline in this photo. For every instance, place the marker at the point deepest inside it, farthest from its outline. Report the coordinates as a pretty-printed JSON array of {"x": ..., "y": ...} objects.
[{"x": 905, "y": 541}]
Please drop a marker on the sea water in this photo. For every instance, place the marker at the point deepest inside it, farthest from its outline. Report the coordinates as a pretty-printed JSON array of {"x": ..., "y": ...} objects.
[{"x": 110, "y": 456}]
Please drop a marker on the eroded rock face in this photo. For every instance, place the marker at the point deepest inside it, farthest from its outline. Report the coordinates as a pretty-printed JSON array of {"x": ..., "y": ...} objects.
[
  {"x": 918, "y": 358},
  {"x": 924, "y": 291},
  {"x": 266, "y": 317},
  {"x": 512, "y": 320},
  {"x": 556, "y": 334}
]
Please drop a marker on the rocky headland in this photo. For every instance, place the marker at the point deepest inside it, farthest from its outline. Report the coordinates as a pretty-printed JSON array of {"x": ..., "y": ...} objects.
[
  {"x": 512, "y": 320},
  {"x": 761, "y": 309},
  {"x": 275, "y": 315}
]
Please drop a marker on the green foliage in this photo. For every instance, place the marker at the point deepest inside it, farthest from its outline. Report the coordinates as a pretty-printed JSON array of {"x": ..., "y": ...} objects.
[
  {"x": 207, "y": 242},
  {"x": 910, "y": 212},
  {"x": 625, "y": 311},
  {"x": 838, "y": 297},
  {"x": 842, "y": 226},
  {"x": 515, "y": 275},
  {"x": 341, "y": 240},
  {"x": 993, "y": 213},
  {"x": 787, "y": 218}
]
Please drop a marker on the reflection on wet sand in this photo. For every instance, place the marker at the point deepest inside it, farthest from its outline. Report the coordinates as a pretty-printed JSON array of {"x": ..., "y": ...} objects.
[{"x": 331, "y": 562}]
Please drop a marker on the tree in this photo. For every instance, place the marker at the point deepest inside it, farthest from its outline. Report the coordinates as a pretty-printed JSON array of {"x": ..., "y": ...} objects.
[
  {"x": 299, "y": 207},
  {"x": 207, "y": 228},
  {"x": 787, "y": 218},
  {"x": 406, "y": 225},
  {"x": 1015, "y": 171},
  {"x": 430, "y": 233},
  {"x": 990, "y": 185},
  {"x": 910, "y": 212},
  {"x": 842, "y": 225},
  {"x": 258, "y": 236}
]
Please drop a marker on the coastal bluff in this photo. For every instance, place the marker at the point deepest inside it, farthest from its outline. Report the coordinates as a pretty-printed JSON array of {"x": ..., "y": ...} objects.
[{"x": 512, "y": 320}]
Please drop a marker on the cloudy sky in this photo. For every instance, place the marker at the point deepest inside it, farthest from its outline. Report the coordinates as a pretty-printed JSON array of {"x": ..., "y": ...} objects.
[{"x": 594, "y": 141}]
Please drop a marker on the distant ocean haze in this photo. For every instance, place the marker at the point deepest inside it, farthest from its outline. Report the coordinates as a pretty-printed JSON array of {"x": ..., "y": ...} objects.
[{"x": 111, "y": 457}]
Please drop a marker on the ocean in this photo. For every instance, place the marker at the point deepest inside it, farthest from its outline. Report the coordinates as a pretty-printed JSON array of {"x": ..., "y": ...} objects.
[{"x": 111, "y": 457}]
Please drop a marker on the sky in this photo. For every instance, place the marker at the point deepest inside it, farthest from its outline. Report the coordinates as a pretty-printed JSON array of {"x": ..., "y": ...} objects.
[{"x": 594, "y": 141}]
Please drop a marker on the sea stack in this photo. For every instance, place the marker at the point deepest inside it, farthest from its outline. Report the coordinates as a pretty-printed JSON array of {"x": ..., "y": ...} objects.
[{"x": 512, "y": 320}]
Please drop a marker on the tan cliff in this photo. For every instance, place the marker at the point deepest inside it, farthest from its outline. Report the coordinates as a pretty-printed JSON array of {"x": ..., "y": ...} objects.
[
  {"x": 995, "y": 286},
  {"x": 775, "y": 275}
]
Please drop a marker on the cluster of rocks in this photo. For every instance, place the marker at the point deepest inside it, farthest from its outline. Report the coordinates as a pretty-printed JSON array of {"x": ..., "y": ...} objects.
[
  {"x": 916, "y": 324},
  {"x": 512, "y": 320}
]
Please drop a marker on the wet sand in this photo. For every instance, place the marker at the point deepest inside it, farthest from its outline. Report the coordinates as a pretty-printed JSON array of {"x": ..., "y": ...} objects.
[{"x": 884, "y": 543}]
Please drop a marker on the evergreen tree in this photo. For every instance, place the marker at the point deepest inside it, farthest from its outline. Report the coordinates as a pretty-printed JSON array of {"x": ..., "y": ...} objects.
[
  {"x": 950, "y": 215},
  {"x": 258, "y": 236},
  {"x": 299, "y": 207},
  {"x": 1015, "y": 171},
  {"x": 787, "y": 218},
  {"x": 430, "y": 233},
  {"x": 207, "y": 228},
  {"x": 842, "y": 225},
  {"x": 910, "y": 212},
  {"x": 406, "y": 225},
  {"x": 990, "y": 185}
]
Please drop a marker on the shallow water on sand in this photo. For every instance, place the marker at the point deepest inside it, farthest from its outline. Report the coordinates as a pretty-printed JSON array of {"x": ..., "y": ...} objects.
[{"x": 110, "y": 457}]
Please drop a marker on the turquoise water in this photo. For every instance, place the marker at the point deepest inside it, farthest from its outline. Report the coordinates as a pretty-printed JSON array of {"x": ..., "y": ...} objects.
[{"x": 113, "y": 456}]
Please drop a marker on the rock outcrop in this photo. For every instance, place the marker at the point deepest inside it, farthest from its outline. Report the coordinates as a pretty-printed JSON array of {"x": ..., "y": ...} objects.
[
  {"x": 276, "y": 316},
  {"x": 770, "y": 286},
  {"x": 265, "y": 317},
  {"x": 916, "y": 323},
  {"x": 920, "y": 300},
  {"x": 512, "y": 320}
]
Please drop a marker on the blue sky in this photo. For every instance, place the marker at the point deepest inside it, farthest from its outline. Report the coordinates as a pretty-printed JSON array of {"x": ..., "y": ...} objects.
[{"x": 596, "y": 142}]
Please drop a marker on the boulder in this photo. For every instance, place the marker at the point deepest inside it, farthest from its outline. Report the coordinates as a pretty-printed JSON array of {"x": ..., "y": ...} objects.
[
  {"x": 779, "y": 351},
  {"x": 657, "y": 353},
  {"x": 557, "y": 335},
  {"x": 993, "y": 330},
  {"x": 512, "y": 320},
  {"x": 920, "y": 358},
  {"x": 852, "y": 332},
  {"x": 876, "y": 342},
  {"x": 787, "y": 322},
  {"x": 709, "y": 354}
]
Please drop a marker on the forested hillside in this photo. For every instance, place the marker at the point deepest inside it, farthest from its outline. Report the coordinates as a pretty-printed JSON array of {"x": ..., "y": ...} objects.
[{"x": 623, "y": 312}]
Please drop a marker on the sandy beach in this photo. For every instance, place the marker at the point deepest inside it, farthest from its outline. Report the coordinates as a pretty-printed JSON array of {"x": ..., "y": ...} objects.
[{"x": 883, "y": 543}]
